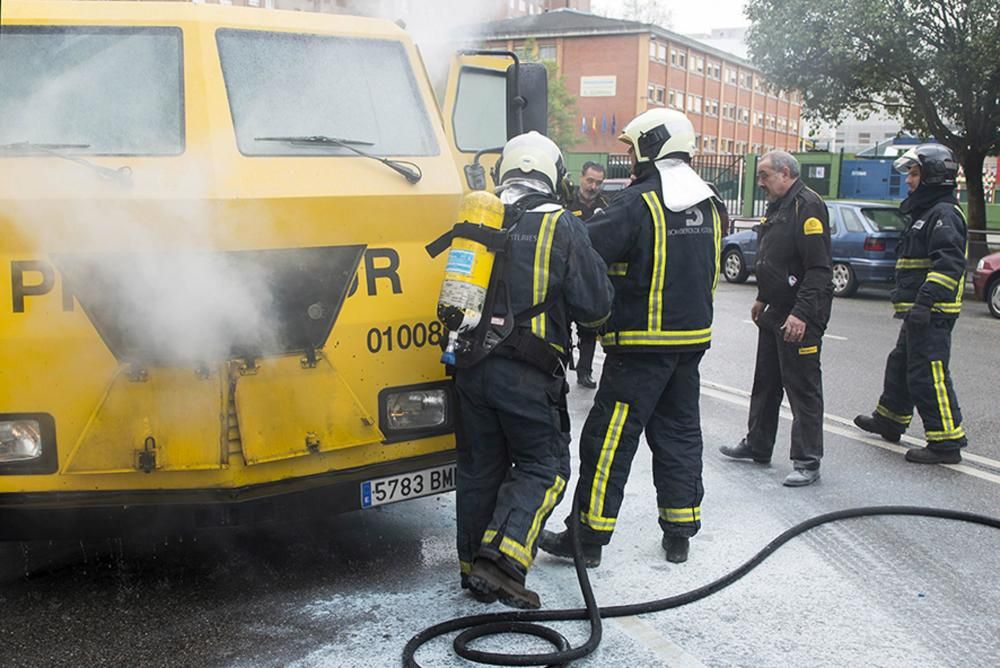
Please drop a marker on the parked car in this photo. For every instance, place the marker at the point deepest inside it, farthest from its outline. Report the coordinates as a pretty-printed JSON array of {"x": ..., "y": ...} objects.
[
  {"x": 864, "y": 237},
  {"x": 986, "y": 282}
]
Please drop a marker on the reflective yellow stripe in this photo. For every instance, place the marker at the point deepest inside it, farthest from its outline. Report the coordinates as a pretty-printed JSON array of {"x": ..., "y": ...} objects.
[
  {"x": 595, "y": 324},
  {"x": 510, "y": 548},
  {"x": 942, "y": 279},
  {"x": 540, "y": 277},
  {"x": 939, "y": 307},
  {"x": 681, "y": 515},
  {"x": 558, "y": 347},
  {"x": 717, "y": 223},
  {"x": 952, "y": 435},
  {"x": 618, "y": 269},
  {"x": 465, "y": 567},
  {"x": 659, "y": 260},
  {"x": 895, "y": 417},
  {"x": 598, "y": 488},
  {"x": 944, "y": 405},
  {"x": 679, "y": 337},
  {"x": 809, "y": 350},
  {"x": 913, "y": 263},
  {"x": 548, "y": 503}
]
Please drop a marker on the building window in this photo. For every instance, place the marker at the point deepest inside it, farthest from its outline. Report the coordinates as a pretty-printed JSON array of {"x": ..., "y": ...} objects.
[
  {"x": 741, "y": 147},
  {"x": 712, "y": 107},
  {"x": 661, "y": 52},
  {"x": 676, "y": 100},
  {"x": 772, "y": 122},
  {"x": 794, "y": 125},
  {"x": 651, "y": 93},
  {"x": 729, "y": 111},
  {"x": 864, "y": 137},
  {"x": 678, "y": 58},
  {"x": 694, "y": 103},
  {"x": 743, "y": 115},
  {"x": 727, "y": 146},
  {"x": 731, "y": 76},
  {"x": 698, "y": 64},
  {"x": 714, "y": 70},
  {"x": 660, "y": 92},
  {"x": 652, "y": 50}
]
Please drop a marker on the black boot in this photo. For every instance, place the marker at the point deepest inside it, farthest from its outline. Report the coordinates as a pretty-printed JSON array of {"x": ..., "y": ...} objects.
[
  {"x": 560, "y": 545},
  {"x": 743, "y": 451},
  {"x": 585, "y": 379},
  {"x": 932, "y": 456},
  {"x": 489, "y": 597},
  {"x": 489, "y": 577},
  {"x": 876, "y": 424},
  {"x": 676, "y": 548}
]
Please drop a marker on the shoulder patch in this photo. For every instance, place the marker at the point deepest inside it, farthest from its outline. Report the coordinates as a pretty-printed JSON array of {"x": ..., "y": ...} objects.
[
  {"x": 812, "y": 226},
  {"x": 919, "y": 224}
]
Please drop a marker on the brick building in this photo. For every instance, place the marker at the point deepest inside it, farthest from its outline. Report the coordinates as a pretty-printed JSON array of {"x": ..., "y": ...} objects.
[{"x": 618, "y": 69}]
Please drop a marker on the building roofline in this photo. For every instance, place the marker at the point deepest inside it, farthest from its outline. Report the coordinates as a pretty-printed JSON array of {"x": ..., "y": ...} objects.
[{"x": 626, "y": 28}]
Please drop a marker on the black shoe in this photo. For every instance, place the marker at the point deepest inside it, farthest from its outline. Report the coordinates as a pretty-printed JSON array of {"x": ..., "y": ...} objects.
[
  {"x": 873, "y": 425},
  {"x": 743, "y": 451},
  {"x": 489, "y": 597},
  {"x": 801, "y": 477},
  {"x": 489, "y": 578},
  {"x": 931, "y": 456},
  {"x": 676, "y": 548},
  {"x": 584, "y": 379},
  {"x": 560, "y": 545}
]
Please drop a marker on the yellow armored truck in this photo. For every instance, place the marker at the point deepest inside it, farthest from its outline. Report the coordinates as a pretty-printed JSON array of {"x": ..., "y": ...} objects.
[{"x": 216, "y": 307}]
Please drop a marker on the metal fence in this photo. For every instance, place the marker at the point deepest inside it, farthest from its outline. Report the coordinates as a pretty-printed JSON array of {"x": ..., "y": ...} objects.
[{"x": 726, "y": 172}]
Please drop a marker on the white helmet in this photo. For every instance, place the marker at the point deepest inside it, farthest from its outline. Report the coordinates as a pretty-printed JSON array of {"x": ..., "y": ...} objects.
[
  {"x": 531, "y": 156},
  {"x": 657, "y": 133}
]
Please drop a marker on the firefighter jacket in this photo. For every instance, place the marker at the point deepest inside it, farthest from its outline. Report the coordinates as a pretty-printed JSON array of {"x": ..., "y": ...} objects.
[
  {"x": 931, "y": 257},
  {"x": 794, "y": 264},
  {"x": 585, "y": 211},
  {"x": 549, "y": 257},
  {"x": 664, "y": 266}
]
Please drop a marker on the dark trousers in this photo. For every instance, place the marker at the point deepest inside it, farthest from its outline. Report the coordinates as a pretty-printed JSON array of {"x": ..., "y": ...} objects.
[
  {"x": 658, "y": 393},
  {"x": 916, "y": 374},
  {"x": 792, "y": 368},
  {"x": 513, "y": 459},
  {"x": 587, "y": 343}
]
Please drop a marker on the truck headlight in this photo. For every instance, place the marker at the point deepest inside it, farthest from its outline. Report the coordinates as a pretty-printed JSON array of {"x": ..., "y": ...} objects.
[
  {"x": 415, "y": 412},
  {"x": 20, "y": 440}
]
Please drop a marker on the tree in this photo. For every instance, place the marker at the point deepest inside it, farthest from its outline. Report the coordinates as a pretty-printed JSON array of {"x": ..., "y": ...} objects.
[
  {"x": 933, "y": 64},
  {"x": 562, "y": 104},
  {"x": 645, "y": 11}
]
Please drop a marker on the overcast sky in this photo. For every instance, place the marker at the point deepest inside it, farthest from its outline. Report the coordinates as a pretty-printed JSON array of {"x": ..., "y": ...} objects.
[{"x": 688, "y": 16}]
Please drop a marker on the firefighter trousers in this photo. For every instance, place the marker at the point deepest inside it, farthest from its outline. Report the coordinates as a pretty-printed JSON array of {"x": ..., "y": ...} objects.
[
  {"x": 658, "y": 393},
  {"x": 916, "y": 375},
  {"x": 513, "y": 459},
  {"x": 588, "y": 346},
  {"x": 787, "y": 368}
]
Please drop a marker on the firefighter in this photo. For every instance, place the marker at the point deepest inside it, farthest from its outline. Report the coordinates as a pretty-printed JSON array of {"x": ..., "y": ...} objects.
[
  {"x": 588, "y": 200},
  {"x": 791, "y": 311},
  {"x": 930, "y": 280},
  {"x": 513, "y": 428},
  {"x": 660, "y": 238}
]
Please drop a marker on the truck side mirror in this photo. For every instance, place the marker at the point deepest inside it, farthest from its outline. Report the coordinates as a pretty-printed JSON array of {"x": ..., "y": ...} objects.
[
  {"x": 475, "y": 176},
  {"x": 527, "y": 99}
]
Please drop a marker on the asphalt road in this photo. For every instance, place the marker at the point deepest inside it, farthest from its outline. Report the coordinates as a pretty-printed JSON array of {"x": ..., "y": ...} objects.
[{"x": 349, "y": 590}]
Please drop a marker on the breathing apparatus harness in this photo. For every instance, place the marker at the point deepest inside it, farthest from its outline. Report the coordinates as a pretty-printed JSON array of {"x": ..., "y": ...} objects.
[{"x": 501, "y": 336}]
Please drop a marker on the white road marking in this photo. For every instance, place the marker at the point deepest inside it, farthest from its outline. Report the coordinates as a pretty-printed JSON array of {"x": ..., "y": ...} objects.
[
  {"x": 673, "y": 655},
  {"x": 742, "y": 398}
]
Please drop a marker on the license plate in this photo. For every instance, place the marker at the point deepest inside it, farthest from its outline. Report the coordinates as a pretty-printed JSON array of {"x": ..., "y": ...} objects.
[{"x": 407, "y": 486}]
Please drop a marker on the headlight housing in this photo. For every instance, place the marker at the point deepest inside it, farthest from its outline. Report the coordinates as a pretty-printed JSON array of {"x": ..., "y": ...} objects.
[
  {"x": 416, "y": 411},
  {"x": 20, "y": 440},
  {"x": 27, "y": 444}
]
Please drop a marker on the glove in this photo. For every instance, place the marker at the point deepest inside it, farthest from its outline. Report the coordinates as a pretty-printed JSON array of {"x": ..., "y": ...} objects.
[{"x": 919, "y": 315}]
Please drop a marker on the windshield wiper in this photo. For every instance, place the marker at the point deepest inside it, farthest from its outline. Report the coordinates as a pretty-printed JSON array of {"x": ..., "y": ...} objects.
[
  {"x": 408, "y": 169},
  {"x": 121, "y": 176}
]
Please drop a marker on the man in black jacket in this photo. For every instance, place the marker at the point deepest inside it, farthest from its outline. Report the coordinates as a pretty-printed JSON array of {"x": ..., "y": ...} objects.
[
  {"x": 586, "y": 201},
  {"x": 513, "y": 428},
  {"x": 660, "y": 238},
  {"x": 930, "y": 280},
  {"x": 792, "y": 309}
]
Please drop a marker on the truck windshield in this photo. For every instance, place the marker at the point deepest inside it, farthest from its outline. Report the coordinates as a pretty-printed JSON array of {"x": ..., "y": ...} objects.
[
  {"x": 92, "y": 90},
  {"x": 287, "y": 84}
]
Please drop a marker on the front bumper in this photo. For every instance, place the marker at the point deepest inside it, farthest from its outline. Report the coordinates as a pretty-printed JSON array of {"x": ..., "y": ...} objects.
[
  {"x": 70, "y": 515},
  {"x": 873, "y": 271}
]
